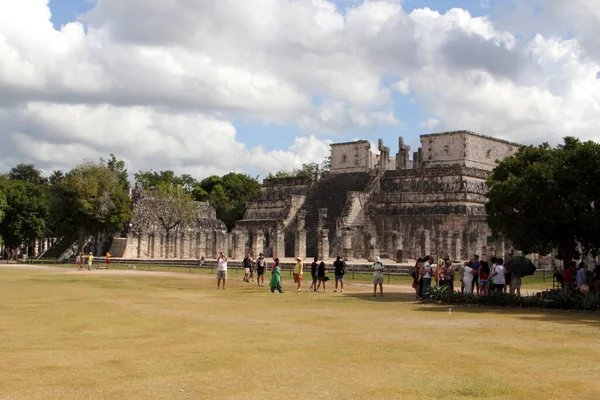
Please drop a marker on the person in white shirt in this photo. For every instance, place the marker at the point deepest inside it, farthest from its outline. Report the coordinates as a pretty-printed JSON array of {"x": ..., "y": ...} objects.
[
  {"x": 426, "y": 281},
  {"x": 498, "y": 275},
  {"x": 377, "y": 276},
  {"x": 221, "y": 270},
  {"x": 468, "y": 278},
  {"x": 581, "y": 278}
]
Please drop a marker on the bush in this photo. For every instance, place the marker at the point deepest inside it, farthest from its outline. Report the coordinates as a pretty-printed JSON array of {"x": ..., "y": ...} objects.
[{"x": 553, "y": 299}]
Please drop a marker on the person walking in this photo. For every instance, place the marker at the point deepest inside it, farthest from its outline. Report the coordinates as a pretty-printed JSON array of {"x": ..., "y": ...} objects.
[
  {"x": 261, "y": 265},
  {"x": 339, "y": 266},
  {"x": 107, "y": 260},
  {"x": 79, "y": 261},
  {"x": 247, "y": 263},
  {"x": 499, "y": 275},
  {"x": 221, "y": 270},
  {"x": 276, "y": 277},
  {"x": 321, "y": 276},
  {"x": 313, "y": 274},
  {"x": 90, "y": 260},
  {"x": 298, "y": 273},
  {"x": 378, "y": 269}
]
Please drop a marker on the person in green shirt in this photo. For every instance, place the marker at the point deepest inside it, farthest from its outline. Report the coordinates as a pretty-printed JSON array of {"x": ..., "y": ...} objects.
[{"x": 276, "y": 277}]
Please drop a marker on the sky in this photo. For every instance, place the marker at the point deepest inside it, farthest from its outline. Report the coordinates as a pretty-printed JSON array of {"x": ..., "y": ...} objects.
[{"x": 207, "y": 87}]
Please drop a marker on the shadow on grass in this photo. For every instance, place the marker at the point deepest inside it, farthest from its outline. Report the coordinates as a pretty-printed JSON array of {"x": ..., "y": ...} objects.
[
  {"x": 576, "y": 317},
  {"x": 387, "y": 297}
]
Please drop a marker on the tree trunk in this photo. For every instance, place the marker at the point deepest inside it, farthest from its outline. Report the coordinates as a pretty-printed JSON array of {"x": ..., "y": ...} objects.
[{"x": 80, "y": 239}]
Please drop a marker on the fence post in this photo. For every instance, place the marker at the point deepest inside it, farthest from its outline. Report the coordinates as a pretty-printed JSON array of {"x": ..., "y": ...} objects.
[
  {"x": 388, "y": 274},
  {"x": 353, "y": 273}
]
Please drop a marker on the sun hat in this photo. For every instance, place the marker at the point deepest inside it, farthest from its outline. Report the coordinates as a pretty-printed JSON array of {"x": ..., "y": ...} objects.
[{"x": 377, "y": 258}]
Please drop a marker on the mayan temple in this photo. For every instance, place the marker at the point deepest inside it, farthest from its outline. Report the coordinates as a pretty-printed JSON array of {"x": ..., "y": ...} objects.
[{"x": 430, "y": 201}]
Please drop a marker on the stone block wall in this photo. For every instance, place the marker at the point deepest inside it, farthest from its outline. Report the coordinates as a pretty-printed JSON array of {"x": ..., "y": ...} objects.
[{"x": 352, "y": 157}]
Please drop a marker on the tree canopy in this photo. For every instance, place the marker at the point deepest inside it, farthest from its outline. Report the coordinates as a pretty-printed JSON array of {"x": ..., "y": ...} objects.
[
  {"x": 90, "y": 199},
  {"x": 166, "y": 206},
  {"x": 151, "y": 178},
  {"x": 25, "y": 207},
  {"x": 27, "y": 173},
  {"x": 308, "y": 170},
  {"x": 228, "y": 194},
  {"x": 544, "y": 198}
]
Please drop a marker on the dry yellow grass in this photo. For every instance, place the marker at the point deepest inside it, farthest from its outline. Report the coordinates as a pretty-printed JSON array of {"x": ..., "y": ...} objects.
[{"x": 69, "y": 335}]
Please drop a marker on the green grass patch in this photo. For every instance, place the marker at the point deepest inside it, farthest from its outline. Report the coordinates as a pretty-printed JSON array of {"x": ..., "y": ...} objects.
[{"x": 116, "y": 334}]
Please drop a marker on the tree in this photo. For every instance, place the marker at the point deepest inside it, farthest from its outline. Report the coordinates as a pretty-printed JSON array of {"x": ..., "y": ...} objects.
[
  {"x": 544, "y": 198},
  {"x": 90, "y": 199},
  {"x": 228, "y": 195},
  {"x": 55, "y": 177},
  {"x": 308, "y": 170},
  {"x": 151, "y": 178},
  {"x": 118, "y": 167},
  {"x": 167, "y": 206},
  {"x": 27, "y": 173},
  {"x": 26, "y": 210}
]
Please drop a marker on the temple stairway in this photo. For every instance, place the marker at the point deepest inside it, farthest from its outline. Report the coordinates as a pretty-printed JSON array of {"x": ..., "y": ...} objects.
[{"x": 330, "y": 192}]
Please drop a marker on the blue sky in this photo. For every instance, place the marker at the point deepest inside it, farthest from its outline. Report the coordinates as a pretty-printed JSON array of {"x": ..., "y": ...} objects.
[{"x": 272, "y": 136}]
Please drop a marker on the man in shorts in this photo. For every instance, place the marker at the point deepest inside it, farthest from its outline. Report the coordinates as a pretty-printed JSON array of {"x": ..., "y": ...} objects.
[
  {"x": 221, "y": 270},
  {"x": 261, "y": 265},
  {"x": 377, "y": 268},
  {"x": 476, "y": 265},
  {"x": 247, "y": 267},
  {"x": 340, "y": 270}
]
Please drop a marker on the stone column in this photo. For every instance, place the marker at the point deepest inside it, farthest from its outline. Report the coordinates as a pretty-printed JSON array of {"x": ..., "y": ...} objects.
[
  {"x": 201, "y": 246},
  {"x": 399, "y": 254},
  {"x": 258, "y": 244},
  {"x": 35, "y": 248},
  {"x": 372, "y": 251},
  {"x": 278, "y": 243},
  {"x": 191, "y": 248},
  {"x": 300, "y": 236},
  {"x": 323, "y": 244},
  {"x": 427, "y": 242},
  {"x": 500, "y": 247},
  {"x": 467, "y": 248},
  {"x": 457, "y": 240},
  {"x": 413, "y": 247},
  {"x": 183, "y": 245},
  {"x": 347, "y": 244}
]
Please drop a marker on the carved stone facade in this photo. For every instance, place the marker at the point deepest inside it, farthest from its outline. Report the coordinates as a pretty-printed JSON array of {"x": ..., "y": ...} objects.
[
  {"x": 147, "y": 239},
  {"x": 373, "y": 204}
]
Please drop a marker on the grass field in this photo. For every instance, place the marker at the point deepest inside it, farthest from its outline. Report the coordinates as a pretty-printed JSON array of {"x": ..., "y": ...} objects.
[{"x": 139, "y": 335}]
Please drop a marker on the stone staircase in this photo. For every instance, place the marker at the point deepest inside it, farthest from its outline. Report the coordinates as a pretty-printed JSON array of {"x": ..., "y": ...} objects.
[
  {"x": 61, "y": 247},
  {"x": 330, "y": 192}
]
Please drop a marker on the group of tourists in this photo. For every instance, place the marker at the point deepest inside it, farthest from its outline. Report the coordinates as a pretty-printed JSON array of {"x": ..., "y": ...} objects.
[
  {"x": 318, "y": 273},
  {"x": 88, "y": 259},
  {"x": 574, "y": 278},
  {"x": 475, "y": 276}
]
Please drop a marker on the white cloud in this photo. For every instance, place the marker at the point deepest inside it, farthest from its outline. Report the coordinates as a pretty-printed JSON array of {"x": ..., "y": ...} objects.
[{"x": 161, "y": 82}]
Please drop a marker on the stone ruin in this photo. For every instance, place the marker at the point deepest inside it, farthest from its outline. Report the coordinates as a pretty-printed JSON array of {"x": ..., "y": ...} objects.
[
  {"x": 205, "y": 237},
  {"x": 368, "y": 205},
  {"x": 376, "y": 205}
]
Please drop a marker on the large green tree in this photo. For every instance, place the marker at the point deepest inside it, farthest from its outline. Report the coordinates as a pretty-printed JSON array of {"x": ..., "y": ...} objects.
[
  {"x": 27, "y": 173},
  {"x": 228, "y": 194},
  {"x": 118, "y": 167},
  {"x": 26, "y": 210},
  {"x": 89, "y": 199},
  {"x": 151, "y": 178},
  {"x": 544, "y": 198}
]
